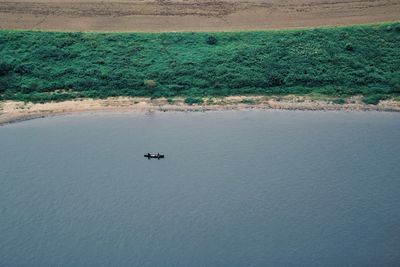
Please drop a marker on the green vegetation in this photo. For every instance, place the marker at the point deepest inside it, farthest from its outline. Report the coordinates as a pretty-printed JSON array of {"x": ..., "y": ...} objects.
[
  {"x": 248, "y": 101},
  {"x": 335, "y": 62},
  {"x": 374, "y": 99},
  {"x": 193, "y": 100},
  {"x": 212, "y": 40},
  {"x": 170, "y": 100},
  {"x": 339, "y": 101}
]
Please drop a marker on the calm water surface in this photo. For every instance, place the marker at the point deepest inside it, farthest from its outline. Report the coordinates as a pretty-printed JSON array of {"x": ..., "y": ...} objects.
[{"x": 240, "y": 188}]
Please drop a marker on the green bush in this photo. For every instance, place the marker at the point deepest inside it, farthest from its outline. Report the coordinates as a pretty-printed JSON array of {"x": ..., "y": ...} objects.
[
  {"x": 5, "y": 68},
  {"x": 373, "y": 99},
  {"x": 395, "y": 84},
  {"x": 150, "y": 83},
  {"x": 248, "y": 101},
  {"x": 395, "y": 89},
  {"x": 349, "y": 47},
  {"x": 193, "y": 100},
  {"x": 212, "y": 40},
  {"x": 339, "y": 101}
]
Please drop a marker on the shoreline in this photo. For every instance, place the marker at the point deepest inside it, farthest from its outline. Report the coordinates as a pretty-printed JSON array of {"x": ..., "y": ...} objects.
[{"x": 14, "y": 111}]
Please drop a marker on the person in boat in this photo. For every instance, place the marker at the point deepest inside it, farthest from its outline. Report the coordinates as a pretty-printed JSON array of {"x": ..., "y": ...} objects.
[
  {"x": 148, "y": 154},
  {"x": 158, "y": 155}
]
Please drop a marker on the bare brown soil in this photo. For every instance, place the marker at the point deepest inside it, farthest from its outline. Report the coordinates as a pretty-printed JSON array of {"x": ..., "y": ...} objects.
[
  {"x": 13, "y": 111},
  {"x": 190, "y": 15}
]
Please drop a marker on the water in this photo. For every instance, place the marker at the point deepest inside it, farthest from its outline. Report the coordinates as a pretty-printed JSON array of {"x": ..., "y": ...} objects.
[{"x": 248, "y": 188}]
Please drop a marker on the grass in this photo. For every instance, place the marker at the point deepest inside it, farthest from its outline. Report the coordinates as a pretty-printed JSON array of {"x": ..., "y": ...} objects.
[{"x": 336, "y": 62}]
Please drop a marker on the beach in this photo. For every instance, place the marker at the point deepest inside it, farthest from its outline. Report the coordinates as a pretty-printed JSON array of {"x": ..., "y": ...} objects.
[{"x": 15, "y": 111}]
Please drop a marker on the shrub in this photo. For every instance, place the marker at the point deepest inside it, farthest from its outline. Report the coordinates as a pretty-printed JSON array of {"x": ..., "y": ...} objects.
[
  {"x": 210, "y": 101},
  {"x": 150, "y": 84},
  {"x": 339, "y": 101},
  {"x": 395, "y": 84},
  {"x": 212, "y": 40},
  {"x": 349, "y": 47},
  {"x": 373, "y": 99},
  {"x": 31, "y": 87},
  {"x": 5, "y": 68},
  {"x": 24, "y": 69},
  {"x": 193, "y": 100},
  {"x": 395, "y": 89},
  {"x": 170, "y": 100},
  {"x": 156, "y": 95},
  {"x": 248, "y": 101}
]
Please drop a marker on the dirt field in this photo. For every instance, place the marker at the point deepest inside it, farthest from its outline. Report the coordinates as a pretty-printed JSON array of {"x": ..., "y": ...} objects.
[{"x": 190, "y": 15}]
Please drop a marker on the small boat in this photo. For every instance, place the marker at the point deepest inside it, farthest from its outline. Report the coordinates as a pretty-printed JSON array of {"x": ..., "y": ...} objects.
[{"x": 154, "y": 156}]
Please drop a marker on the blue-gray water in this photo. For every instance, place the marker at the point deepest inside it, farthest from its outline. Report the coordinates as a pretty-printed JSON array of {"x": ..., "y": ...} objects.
[{"x": 248, "y": 188}]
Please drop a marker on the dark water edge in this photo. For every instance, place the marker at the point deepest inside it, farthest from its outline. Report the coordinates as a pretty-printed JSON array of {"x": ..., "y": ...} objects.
[{"x": 237, "y": 188}]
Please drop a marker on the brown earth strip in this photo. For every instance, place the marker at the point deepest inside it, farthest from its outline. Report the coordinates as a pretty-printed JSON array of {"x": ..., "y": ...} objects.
[{"x": 191, "y": 15}]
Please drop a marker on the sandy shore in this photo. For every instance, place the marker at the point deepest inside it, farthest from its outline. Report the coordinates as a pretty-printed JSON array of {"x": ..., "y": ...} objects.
[{"x": 13, "y": 111}]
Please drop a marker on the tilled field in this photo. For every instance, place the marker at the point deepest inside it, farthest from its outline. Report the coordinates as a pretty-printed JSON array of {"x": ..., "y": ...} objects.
[{"x": 191, "y": 15}]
